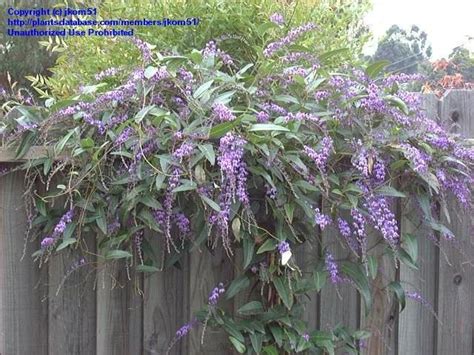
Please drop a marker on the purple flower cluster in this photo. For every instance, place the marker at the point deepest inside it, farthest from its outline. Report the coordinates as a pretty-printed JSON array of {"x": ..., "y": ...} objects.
[
  {"x": 320, "y": 157},
  {"x": 183, "y": 223},
  {"x": 305, "y": 336},
  {"x": 106, "y": 73},
  {"x": 272, "y": 107},
  {"x": 271, "y": 192},
  {"x": 144, "y": 49},
  {"x": 321, "y": 95},
  {"x": 321, "y": 220},
  {"x": 379, "y": 170},
  {"x": 401, "y": 78},
  {"x": 374, "y": 103},
  {"x": 124, "y": 136},
  {"x": 184, "y": 150},
  {"x": 383, "y": 219},
  {"x": 289, "y": 39},
  {"x": 222, "y": 113},
  {"x": 62, "y": 224},
  {"x": 216, "y": 294},
  {"x": 332, "y": 268},
  {"x": 303, "y": 117},
  {"x": 230, "y": 161},
  {"x": 277, "y": 18},
  {"x": 360, "y": 162},
  {"x": 283, "y": 247},
  {"x": 418, "y": 160},
  {"x": 293, "y": 57},
  {"x": 168, "y": 206},
  {"x": 211, "y": 50},
  {"x": 262, "y": 117}
]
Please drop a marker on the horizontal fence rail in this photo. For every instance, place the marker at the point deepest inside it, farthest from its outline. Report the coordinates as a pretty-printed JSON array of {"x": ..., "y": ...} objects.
[{"x": 109, "y": 310}]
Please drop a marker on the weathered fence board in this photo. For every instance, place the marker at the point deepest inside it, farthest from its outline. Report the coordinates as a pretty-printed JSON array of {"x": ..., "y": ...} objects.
[
  {"x": 103, "y": 310},
  {"x": 417, "y": 322},
  {"x": 456, "y": 277}
]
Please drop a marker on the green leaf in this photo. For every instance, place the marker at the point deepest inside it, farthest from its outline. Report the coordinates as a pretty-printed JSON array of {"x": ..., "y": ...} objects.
[
  {"x": 270, "y": 350},
  {"x": 187, "y": 186},
  {"x": 398, "y": 103},
  {"x": 320, "y": 280},
  {"x": 277, "y": 333},
  {"x": 237, "y": 345},
  {"x": 270, "y": 244},
  {"x": 267, "y": 127},
  {"x": 375, "y": 68},
  {"x": 87, "y": 143},
  {"x": 256, "y": 339},
  {"x": 222, "y": 128},
  {"x": 224, "y": 98},
  {"x": 410, "y": 244},
  {"x": 101, "y": 221},
  {"x": 208, "y": 151},
  {"x": 236, "y": 228},
  {"x": 58, "y": 148},
  {"x": 249, "y": 249},
  {"x": 25, "y": 145},
  {"x": 147, "y": 268},
  {"x": 284, "y": 291},
  {"x": 399, "y": 293},
  {"x": 389, "y": 191},
  {"x": 65, "y": 243},
  {"x": 251, "y": 308},
  {"x": 238, "y": 285},
  {"x": 210, "y": 203},
  {"x": 202, "y": 89},
  {"x": 372, "y": 265},
  {"x": 357, "y": 274},
  {"x": 117, "y": 254},
  {"x": 289, "y": 210},
  {"x": 150, "y": 71}
]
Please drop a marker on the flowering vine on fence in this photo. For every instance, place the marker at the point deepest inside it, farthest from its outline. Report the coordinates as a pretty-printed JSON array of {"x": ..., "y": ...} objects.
[{"x": 201, "y": 150}]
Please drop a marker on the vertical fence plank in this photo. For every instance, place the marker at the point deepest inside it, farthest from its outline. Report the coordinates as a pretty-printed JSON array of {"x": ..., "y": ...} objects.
[
  {"x": 381, "y": 320},
  {"x": 340, "y": 302},
  {"x": 306, "y": 258},
  {"x": 72, "y": 302},
  {"x": 417, "y": 322},
  {"x": 166, "y": 307},
  {"x": 23, "y": 317},
  {"x": 119, "y": 311},
  {"x": 206, "y": 271},
  {"x": 456, "y": 277}
]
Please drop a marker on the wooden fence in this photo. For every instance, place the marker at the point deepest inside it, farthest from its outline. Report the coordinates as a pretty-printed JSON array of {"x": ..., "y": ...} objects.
[{"x": 98, "y": 311}]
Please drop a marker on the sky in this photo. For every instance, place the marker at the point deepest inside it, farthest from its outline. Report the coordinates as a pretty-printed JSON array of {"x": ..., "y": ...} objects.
[{"x": 447, "y": 23}]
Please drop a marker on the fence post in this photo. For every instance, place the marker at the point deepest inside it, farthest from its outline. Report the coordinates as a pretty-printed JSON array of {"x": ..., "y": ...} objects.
[{"x": 23, "y": 315}]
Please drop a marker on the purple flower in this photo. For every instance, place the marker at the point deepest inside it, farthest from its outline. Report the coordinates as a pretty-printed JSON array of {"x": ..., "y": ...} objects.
[
  {"x": 321, "y": 220},
  {"x": 283, "y": 247},
  {"x": 277, "y": 18},
  {"x": 106, "y": 73},
  {"x": 62, "y": 224},
  {"x": 144, "y": 49},
  {"x": 215, "y": 294},
  {"x": 47, "y": 242},
  {"x": 320, "y": 157},
  {"x": 272, "y": 107},
  {"x": 332, "y": 268},
  {"x": 124, "y": 136},
  {"x": 379, "y": 170},
  {"x": 418, "y": 160},
  {"x": 183, "y": 223},
  {"x": 383, "y": 219},
  {"x": 271, "y": 192},
  {"x": 185, "y": 150},
  {"x": 262, "y": 117},
  {"x": 222, "y": 113},
  {"x": 321, "y": 95},
  {"x": 302, "y": 116},
  {"x": 289, "y": 39},
  {"x": 305, "y": 336}
]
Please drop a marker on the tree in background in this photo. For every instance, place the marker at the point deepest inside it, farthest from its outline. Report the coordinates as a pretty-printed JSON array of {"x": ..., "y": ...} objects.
[
  {"x": 405, "y": 50},
  {"x": 456, "y": 72},
  {"x": 21, "y": 56}
]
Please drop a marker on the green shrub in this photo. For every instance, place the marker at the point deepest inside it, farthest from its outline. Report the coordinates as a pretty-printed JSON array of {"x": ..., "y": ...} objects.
[
  {"x": 258, "y": 157},
  {"x": 239, "y": 26}
]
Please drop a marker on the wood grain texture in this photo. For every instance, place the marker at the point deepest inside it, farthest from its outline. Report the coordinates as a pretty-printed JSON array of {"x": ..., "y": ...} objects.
[
  {"x": 119, "y": 311},
  {"x": 206, "y": 271},
  {"x": 417, "y": 323},
  {"x": 340, "y": 303},
  {"x": 381, "y": 321},
  {"x": 35, "y": 152},
  {"x": 456, "y": 276},
  {"x": 23, "y": 316},
  {"x": 72, "y": 302},
  {"x": 166, "y": 300}
]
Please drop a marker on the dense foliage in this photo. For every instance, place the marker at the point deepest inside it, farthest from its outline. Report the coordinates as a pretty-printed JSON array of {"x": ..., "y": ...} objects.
[
  {"x": 201, "y": 151},
  {"x": 239, "y": 27}
]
